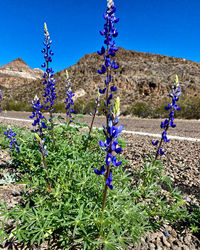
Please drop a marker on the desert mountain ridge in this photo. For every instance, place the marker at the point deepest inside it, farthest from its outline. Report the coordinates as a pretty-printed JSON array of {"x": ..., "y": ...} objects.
[
  {"x": 141, "y": 77},
  {"x": 17, "y": 73}
]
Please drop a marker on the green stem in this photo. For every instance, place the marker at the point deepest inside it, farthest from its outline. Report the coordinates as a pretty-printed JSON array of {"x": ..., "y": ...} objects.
[
  {"x": 155, "y": 159},
  {"x": 52, "y": 129}
]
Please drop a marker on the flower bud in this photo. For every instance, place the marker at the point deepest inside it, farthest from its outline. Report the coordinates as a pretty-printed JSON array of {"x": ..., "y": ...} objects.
[
  {"x": 176, "y": 80},
  {"x": 38, "y": 138},
  {"x": 46, "y": 33},
  {"x": 116, "y": 108},
  {"x": 110, "y": 3}
]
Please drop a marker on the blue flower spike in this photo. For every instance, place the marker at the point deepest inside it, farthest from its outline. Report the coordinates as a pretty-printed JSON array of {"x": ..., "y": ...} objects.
[
  {"x": 37, "y": 116},
  {"x": 171, "y": 107},
  {"x": 11, "y": 136},
  {"x": 112, "y": 112},
  {"x": 49, "y": 81}
]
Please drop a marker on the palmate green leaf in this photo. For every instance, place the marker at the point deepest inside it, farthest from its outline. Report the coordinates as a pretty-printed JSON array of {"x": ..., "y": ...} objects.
[
  {"x": 73, "y": 210},
  {"x": 110, "y": 246},
  {"x": 3, "y": 235},
  {"x": 35, "y": 236}
]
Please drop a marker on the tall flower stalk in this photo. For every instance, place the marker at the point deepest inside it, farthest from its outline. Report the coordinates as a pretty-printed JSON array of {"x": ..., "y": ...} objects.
[
  {"x": 172, "y": 107},
  {"x": 168, "y": 122},
  {"x": 49, "y": 81},
  {"x": 69, "y": 99},
  {"x": 111, "y": 131},
  {"x": 39, "y": 124}
]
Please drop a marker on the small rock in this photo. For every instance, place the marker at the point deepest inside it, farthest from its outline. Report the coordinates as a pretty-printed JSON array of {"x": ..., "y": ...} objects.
[
  {"x": 186, "y": 247},
  {"x": 187, "y": 240},
  {"x": 166, "y": 243},
  {"x": 152, "y": 246},
  {"x": 159, "y": 243}
]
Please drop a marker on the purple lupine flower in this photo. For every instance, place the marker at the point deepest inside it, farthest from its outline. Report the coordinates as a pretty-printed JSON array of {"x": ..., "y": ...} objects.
[
  {"x": 111, "y": 131},
  {"x": 69, "y": 98},
  {"x": 37, "y": 115},
  {"x": 11, "y": 136},
  {"x": 101, "y": 171},
  {"x": 176, "y": 92},
  {"x": 110, "y": 145},
  {"x": 0, "y": 100},
  {"x": 109, "y": 180},
  {"x": 49, "y": 81}
]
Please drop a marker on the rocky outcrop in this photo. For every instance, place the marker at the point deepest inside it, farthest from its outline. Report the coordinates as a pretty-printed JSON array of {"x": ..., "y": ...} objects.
[
  {"x": 17, "y": 73},
  {"x": 141, "y": 77}
]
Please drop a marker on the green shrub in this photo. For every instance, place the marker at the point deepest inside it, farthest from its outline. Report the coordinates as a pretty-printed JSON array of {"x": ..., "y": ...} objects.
[
  {"x": 70, "y": 216},
  {"x": 141, "y": 109}
]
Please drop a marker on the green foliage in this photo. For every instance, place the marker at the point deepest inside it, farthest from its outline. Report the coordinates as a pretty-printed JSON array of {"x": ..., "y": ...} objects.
[
  {"x": 70, "y": 215},
  {"x": 72, "y": 212},
  {"x": 17, "y": 106},
  {"x": 190, "y": 107},
  {"x": 140, "y": 109},
  {"x": 162, "y": 202},
  {"x": 79, "y": 107},
  {"x": 194, "y": 218},
  {"x": 3, "y": 143},
  {"x": 60, "y": 107}
]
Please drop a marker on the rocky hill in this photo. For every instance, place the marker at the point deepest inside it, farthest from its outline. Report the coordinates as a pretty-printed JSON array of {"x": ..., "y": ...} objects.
[
  {"x": 141, "y": 77},
  {"x": 17, "y": 73}
]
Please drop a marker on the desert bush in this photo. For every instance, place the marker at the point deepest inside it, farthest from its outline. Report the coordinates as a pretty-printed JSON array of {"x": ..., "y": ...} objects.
[
  {"x": 190, "y": 107},
  {"x": 141, "y": 109},
  {"x": 17, "y": 106},
  {"x": 70, "y": 215}
]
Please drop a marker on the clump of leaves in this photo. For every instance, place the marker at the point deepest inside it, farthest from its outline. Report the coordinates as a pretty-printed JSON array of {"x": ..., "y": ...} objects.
[
  {"x": 194, "y": 219},
  {"x": 161, "y": 201},
  {"x": 70, "y": 215},
  {"x": 72, "y": 211}
]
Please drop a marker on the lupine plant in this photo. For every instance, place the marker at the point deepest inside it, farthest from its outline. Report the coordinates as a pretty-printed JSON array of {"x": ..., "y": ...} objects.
[
  {"x": 40, "y": 124},
  {"x": 67, "y": 214},
  {"x": 111, "y": 131},
  {"x": 172, "y": 107},
  {"x": 69, "y": 99},
  {"x": 11, "y": 136},
  {"x": 49, "y": 81}
]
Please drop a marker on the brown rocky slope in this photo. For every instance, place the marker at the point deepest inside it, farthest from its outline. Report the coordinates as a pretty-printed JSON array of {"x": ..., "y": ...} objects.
[
  {"x": 141, "y": 77},
  {"x": 17, "y": 73}
]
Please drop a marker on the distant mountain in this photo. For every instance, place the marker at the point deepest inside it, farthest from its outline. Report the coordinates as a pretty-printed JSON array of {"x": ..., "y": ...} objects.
[
  {"x": 17, "y": 73},
  {"x": 141, "y": 77}
]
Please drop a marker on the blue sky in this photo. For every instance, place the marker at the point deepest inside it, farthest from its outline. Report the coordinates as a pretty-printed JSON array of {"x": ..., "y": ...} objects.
[{"x": 169, "y": 27}]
